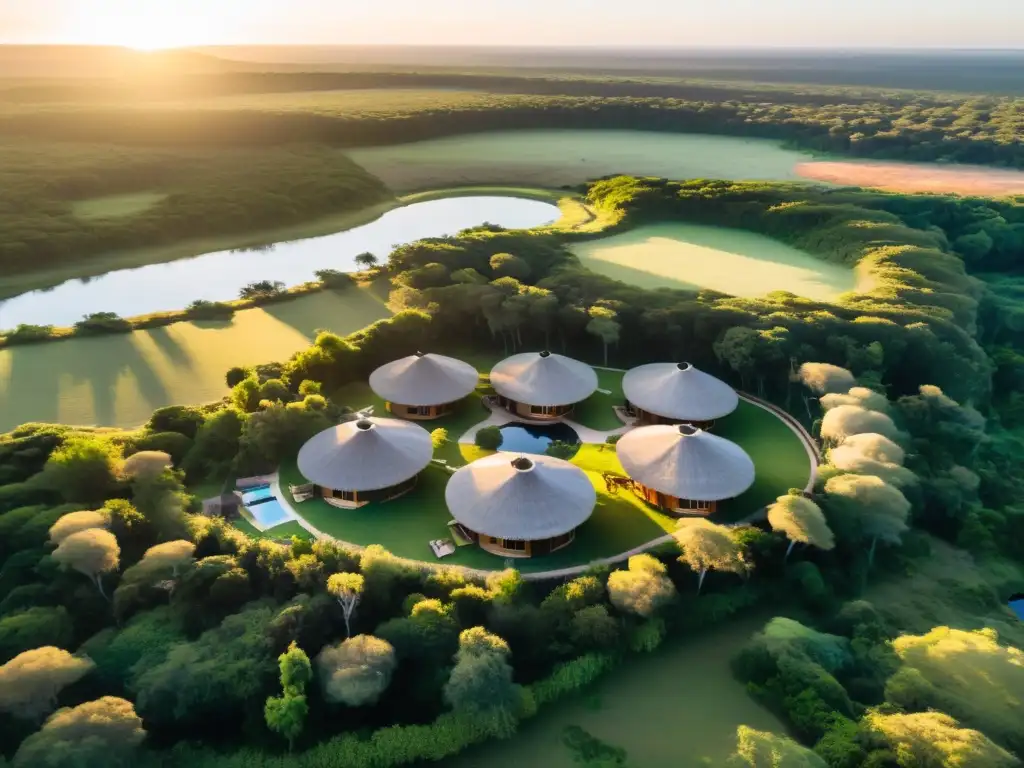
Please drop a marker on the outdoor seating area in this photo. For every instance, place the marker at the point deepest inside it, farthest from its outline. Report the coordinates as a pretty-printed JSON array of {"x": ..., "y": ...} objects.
[
  {"x": 301, "y": 493},
  {"x": 442, "y": 547}
]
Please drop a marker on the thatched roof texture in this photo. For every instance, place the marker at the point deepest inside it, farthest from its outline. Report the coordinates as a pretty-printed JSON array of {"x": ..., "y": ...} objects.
[
  {"x": 543, "y": 378},
  {"x": 424, "y": 379},
  {"x": 686, "y": 462},
  {"x": 531, "y": 498},
  {"x": 679, "y": 391},
  {"x": 366, "y": 455}
]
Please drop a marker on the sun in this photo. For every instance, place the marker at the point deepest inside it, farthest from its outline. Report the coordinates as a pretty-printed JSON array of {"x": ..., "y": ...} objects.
[{"x": 146, "y": 25}]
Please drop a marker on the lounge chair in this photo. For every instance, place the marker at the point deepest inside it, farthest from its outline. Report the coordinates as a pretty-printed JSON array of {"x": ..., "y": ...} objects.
[
  {"x": 459, "y": 534},
  {"x": 442, "y": 547}
]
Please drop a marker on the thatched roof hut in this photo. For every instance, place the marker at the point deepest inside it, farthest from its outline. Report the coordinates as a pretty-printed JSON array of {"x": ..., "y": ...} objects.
[
  {"x": 539, "y": 384},
  {"x": 685, "y": 463},
  {"x": 366, "y": 455},
  {"x": 677, "y": 392},
  {"x": 537, "y": 502},
  {"x": 424, "y": 380}
]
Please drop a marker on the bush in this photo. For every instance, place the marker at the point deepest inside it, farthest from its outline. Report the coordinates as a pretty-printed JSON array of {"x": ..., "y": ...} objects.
[
  {"x": 332, "y": 278},
  {"x": 572, "y": 676},
  {"x": 174, "y": 444},
  {"x": 236, "y": 376},
  {"x": 200, "y": 309},
  {"x": 560, "y": 449},
  {"x": 176, "y": 418},
  {"x": 102, "y": 322},
  {"x": 488, "y": 438},
  {"x": 262, "y": 289},
  {"x": 24, "y": 334}
]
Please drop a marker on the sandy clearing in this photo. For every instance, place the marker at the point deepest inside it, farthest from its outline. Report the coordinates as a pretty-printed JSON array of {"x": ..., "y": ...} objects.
[{"x": 909, "y": 177}]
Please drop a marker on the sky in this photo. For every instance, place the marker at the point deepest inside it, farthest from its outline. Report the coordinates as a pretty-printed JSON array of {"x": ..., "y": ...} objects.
[{"x": 685, "y": 23}]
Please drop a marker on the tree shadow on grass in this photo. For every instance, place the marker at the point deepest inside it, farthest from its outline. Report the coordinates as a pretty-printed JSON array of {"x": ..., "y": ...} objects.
[
  {"x": 171, "y": 348},
  {"x": 342, "y": 312},
  {"x": 34, "y": 391}
]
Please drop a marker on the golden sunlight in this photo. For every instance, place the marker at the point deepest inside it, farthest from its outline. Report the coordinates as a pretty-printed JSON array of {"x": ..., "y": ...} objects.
[{"x": 147, "y": 25}]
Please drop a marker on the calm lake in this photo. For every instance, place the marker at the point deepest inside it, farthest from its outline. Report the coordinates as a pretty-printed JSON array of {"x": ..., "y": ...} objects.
[
  {"x": 694, "y": 256},
  {"x": 219, "y": 276}
]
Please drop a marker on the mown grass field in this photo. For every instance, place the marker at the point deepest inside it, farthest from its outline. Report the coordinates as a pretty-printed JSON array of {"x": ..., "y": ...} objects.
[
  {"x": 119, "y": 380},
  {"x": 551, "y": 158},
  {"x": 731, "y": 261},
  {"x": 679, "y": 706}
]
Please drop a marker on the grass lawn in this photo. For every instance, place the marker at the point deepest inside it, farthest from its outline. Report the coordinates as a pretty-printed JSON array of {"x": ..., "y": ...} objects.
[
  {"x": 115, "y": 206},
  {"x": 596, "y": 411},
  {"x": 119, "y": 380},
  {"x": 282, "y": 531},
  {"x": 679, "y": 706}
]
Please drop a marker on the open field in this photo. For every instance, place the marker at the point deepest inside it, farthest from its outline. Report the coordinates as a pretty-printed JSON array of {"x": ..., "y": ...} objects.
[
  {"x": 557, "y": 157},
  {"x": 119, "y": 380},
  {"x": 918, "y": 178},
  {"x": 115, "y": 206},
  {"x": 680, "y": 706},
  {"x": 694, "y": 256}
]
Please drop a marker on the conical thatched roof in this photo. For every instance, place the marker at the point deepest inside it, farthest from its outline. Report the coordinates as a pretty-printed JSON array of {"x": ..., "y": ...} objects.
[
  {"x": 520, "y": 498},
  {"x": 543, "y": 378},
  {"x": 685, "y": 462},
  {"x": 424, "y": 379},
  {"x": 366, "y": 455},
  {"x": 679, "y": 391}
]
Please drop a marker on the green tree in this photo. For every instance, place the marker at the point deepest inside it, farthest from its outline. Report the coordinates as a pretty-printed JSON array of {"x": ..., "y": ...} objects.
[
  {"x": 507, "y": 265},
  {"x": 347, "y": 589},
  {"x": 245, "y": 395},
  {"x": 761, "y": 749},
  {"x": 707, "y": 546},
  {"x": 92, "y": 552},
  {"x": 488, "y": 438},
  {"x": 605, "y": 325},
  {"x": 104, "y": 733},
  {"x": 801, "y": 521},
  {"x": 30, "y": 682},
  {"x": 643, "y": 589},
  {"x": 936, "y": 740},
  {"x": 869, "y": 509},
  {"x": 366, "y": 260},
  {"x": 236, "y": 376},
  {"x": 357, "y": 671},
  {"x": 286, "y": 714},
  {"x": 34, "y": 627},
  {"x": 73, "y": 522},
  {"x": 481, "y": 679},
  {"x": 82, "y": 469},
  {"x": 438, "y": 437}
]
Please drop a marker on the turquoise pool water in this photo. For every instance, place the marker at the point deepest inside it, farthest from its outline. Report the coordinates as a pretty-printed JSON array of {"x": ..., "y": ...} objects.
[
  {"x": 269, "y": 513},
  {"x": 256, "y": 495},
  {"x": 1017, "y": 606}
]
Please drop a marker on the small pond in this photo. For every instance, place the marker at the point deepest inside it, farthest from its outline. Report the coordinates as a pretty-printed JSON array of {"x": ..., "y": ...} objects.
[
  {"x": 535, "y": 438},
  {"x": 696, "y": 256},
  {"x": 221, "y": 275},
  {"x": 1017, "y": 606}
]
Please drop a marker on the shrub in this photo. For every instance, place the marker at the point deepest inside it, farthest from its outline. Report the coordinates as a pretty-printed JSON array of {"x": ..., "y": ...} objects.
[
  {"x": 262, "y": 289},
  {"x": 102, "y": 322},
  {"x": 176, "y": 418},
  {"x": 332, "y": 278},
  {"x": 200, "y": 309},
  {"x": 488, "y": 438},
  {"x": 28, "y": 333},
  {"x": 174, "y": 444},
  {"x": 572, "y": 676}
]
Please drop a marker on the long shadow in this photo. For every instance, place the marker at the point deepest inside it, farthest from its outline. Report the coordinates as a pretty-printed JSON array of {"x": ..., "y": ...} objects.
[
  {"x": 32, "y": 389},
  {"x": 112, "y": 356},
  {"x": 171, "y": 348},
  {"x": 342, "y": 312}
]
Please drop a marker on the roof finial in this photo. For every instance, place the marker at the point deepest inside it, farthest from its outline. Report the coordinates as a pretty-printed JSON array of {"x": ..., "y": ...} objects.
[
  {"x": 522, "y": 464},
  {"x": 545, "y": 353},
  {"x": 683, "y": 366},
  {"x": 688, "y": 430},
  {"x": 364, "y": 424},
  {"x": 418, "y": 353}
]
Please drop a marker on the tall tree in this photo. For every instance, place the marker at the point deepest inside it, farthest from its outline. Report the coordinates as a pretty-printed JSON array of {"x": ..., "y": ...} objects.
[
  {"x": 761, "y": 749},
  {"x": 92, "y": 552},
  {"x": 104, "y": 733},
  {"x": 801, "y": 521},
  {"x": 936, "y": 740},
  {"x": 481, "y": 679},
  {"x": 286, "y": 714},
  {"x": 605, "y": 325},
  {"x": 30, "y": 682},
  {"x": 707, "y": 546},
  {"x": 347, "y": 589},
  {"x": 73, "y": 522},
  {"x": 871, "y": 508},
  {"x": 82, "y": 469},
  {"x": 641, "y": 589}
]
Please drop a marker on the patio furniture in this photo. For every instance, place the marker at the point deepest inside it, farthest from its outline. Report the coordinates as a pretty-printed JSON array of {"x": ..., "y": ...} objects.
[
  {"x": 459, "y": 535},
  {"x": 442, "y": 547}
]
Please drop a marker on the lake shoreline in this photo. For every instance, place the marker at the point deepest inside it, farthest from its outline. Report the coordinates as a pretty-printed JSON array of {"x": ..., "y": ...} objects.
[
  {"x": 321, "y": 226},
  {"x": 574, "y": 214}
]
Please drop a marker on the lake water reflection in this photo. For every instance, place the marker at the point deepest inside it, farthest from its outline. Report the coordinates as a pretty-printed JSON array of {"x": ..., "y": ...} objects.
[{"x": 221, "y": 275}]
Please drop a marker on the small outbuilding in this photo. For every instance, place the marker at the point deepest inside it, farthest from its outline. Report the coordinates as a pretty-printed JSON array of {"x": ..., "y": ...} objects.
[
  {"x": 363, "y": 461},
  {"x": 423, "y": 386},
  {"x": 520, "y": 506},
  {"x": 542, "y": 385},
  {"x": 683, "y": 469},
  {"x": 677, "y": 393}
]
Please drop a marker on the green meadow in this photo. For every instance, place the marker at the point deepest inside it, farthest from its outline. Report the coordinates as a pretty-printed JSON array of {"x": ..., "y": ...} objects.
[
  {"x": 731, "y": 261},
  {"x": 118, "y": 380}
]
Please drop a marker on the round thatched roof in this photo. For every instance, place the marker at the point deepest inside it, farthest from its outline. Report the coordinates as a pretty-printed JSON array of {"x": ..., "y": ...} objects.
[
  {"x": 679, "y": 391},
  {"x": 543, "y": 378},
  {"x": 685, "y": 462},
  {"x": 520, "y": 498},
  {"x": 366, "y": 455},
  {"x": 424, "y": 379}
]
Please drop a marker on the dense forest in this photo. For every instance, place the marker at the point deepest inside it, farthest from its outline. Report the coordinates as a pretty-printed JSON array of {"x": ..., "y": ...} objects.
[
  {"x": 204, "y": 193},
  {"x": 207, "y": 647},
  {"x": 892, "y": 125}
]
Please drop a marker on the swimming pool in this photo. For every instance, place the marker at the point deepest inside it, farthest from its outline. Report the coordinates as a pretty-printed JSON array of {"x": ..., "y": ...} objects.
[
  {"x": 256, "y": 495},
  {"x": 534, "y": 438},
  {"x": 1017, "y": 606},
  {"x": 269, "y": 513}
]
